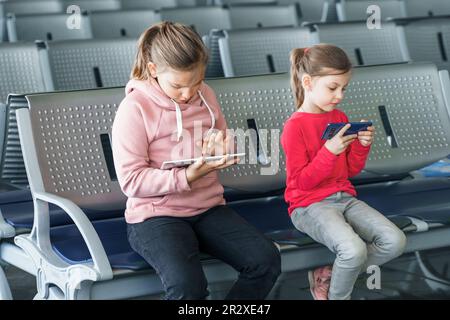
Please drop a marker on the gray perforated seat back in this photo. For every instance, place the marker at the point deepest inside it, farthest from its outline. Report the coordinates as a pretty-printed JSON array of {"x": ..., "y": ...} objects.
[
  {"x": 87, "y": 64},
  {"x": 20, "y": 69},
  {"x": 202, "y": 19},
  {"x": 264, "y": 102},
  {"x": 357, "y": 10},
  {"x": 262, "y": 16},
  {"x": 115, "y": 24},
  {"x": 366, "y": 46},
  {"x": 94, "y": 5},
  {"x": 260, "y": 51},
  {"x": 420, "y": 8},
  {"x": 33, "y": 7},
  {"x": 71, "y": 132},
  {"x": 311, "y": 11},
  {"x": 12, "y": 168},
  {"x": 429, "y": 40},
  {"x": 146, "y": 4},
  {"x": 46, "y": 27},
  {"x": 405, "y": 103}
]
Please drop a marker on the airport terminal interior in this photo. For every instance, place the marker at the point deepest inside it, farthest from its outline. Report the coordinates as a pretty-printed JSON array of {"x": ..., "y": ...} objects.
[{"x": 63, "y": 68}]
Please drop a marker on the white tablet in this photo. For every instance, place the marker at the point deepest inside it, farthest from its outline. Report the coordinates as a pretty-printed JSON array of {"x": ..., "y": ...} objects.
[{"x": 185, "y": 162}]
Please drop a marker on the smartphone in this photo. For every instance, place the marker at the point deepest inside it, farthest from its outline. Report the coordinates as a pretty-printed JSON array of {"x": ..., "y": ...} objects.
[{"x": 334, "y": 128}]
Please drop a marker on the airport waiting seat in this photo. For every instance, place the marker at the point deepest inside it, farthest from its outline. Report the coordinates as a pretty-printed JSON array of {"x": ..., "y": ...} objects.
[
  {"x": 365, "y": 46},
  {"x": 312, "y": 11},
  {"x": 202, "y": 19},
  {"x": 149, "y": 5},
  {"x": 26, "y": 7},
  {"x": 417, "y": 8},
  {"x": 253, "y": 16},
  {"x": 259, "y": 51},
  {"x": 348, "y": 10},
  {"x": 86, "y": 64},
  {"x": 92, "y": 260},
  {"x": 93, "y": 5},
  {"x": 48, "y": 27},
  {"x": 105, "y": 63},
  {"x": 32, "y": 7},
  {"x": 22, "y": 70},
  {"x": 428, "y": 39},
  {"x": 15, "y": 198},
  {"x": 396, "y": 98},
  {"x": 116, "y": 24},
  {"x": 215, "y": 65}
]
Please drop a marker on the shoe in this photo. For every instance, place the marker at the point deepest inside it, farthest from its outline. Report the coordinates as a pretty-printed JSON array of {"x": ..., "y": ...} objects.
[{"x": 319, "y": 282}]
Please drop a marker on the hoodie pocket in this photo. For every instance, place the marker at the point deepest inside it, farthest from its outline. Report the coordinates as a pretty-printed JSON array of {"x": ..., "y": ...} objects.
[
  {"x": 173, "y": 203},
  {"x": 158, "y": 203}
]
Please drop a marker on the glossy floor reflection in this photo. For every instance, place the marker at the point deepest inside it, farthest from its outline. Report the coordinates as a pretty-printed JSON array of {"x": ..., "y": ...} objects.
[{"x": 400, "y": 279}]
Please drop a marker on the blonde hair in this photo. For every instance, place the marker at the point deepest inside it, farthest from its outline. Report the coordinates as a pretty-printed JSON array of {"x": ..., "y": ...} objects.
[
  {"x": 313, "y": 61},
  {"x": 169, "y": 44}
]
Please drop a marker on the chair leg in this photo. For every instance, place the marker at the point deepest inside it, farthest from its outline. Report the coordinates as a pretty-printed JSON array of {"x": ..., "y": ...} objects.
[{"x": 435, "y": 281}]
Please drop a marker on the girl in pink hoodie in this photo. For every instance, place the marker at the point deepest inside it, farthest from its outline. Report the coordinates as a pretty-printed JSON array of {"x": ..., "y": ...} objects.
[{"x": 169, "y": 113}]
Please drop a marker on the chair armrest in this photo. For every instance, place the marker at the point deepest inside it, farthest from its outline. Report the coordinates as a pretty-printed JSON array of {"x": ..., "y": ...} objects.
[{"x": 84, "y": 225}]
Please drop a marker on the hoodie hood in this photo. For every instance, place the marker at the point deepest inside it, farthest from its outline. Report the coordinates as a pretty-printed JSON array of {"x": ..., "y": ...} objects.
[{"x": 152, "y": 90}]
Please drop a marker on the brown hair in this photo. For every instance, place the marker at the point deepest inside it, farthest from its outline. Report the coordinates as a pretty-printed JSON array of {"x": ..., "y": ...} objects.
[
  {"x": 313, "y": 61},
  {"x": 169, "y": 44}
]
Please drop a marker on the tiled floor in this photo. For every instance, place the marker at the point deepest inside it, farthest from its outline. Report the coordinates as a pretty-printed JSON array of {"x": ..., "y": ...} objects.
[{"x": 400, "y": 279}]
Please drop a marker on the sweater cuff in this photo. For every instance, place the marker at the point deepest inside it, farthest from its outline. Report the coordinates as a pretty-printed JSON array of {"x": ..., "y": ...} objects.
[
  {"x": 357, "y": 146},
  {"x": 182, "y": 183}
]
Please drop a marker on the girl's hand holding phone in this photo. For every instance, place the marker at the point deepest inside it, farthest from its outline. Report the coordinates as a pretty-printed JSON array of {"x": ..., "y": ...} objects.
[
  {"x": 339, "y": 142},
  {"x": 366, "y": 137}
]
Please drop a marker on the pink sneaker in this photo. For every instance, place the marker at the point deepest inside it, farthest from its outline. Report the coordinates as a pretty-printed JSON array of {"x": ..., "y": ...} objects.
[{"x": 319, "y": 282}]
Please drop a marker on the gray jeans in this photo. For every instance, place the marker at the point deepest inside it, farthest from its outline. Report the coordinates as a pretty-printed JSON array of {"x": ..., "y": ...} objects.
[{"x": 359, "y": 235}]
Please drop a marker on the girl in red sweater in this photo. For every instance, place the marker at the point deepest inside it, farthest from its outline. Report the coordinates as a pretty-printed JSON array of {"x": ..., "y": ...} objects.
[{"x": 322, "y": 201}]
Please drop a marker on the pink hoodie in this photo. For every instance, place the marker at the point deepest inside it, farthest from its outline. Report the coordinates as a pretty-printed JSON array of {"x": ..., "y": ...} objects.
[{"x": 150, "y": 128}]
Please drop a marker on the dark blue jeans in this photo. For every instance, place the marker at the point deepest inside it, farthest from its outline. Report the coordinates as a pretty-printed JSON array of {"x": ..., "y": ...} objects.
[{"x": 172, "y": 247}]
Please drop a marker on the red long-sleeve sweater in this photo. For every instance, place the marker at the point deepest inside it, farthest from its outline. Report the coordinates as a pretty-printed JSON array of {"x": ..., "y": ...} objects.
[{"x": 313, "y": 172}]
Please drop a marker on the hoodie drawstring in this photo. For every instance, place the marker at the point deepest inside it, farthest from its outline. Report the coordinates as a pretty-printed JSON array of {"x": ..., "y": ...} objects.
[
  {"x": 179, "y": 120},
  {"x": 179, "y": 116},
  {"x": 213, "y": 119}
]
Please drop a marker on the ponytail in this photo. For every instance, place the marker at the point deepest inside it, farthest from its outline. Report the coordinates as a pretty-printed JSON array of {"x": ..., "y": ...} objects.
[
  {"x": 296, "y": 57},
  {"x": 143, "y": 55}
]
